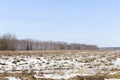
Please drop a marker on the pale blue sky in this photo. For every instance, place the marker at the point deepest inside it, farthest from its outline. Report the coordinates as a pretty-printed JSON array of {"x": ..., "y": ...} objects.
[{"x": 81, "y": 21}]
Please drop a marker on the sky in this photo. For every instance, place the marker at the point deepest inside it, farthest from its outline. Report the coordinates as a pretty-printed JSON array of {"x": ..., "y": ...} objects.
[{"x": 74, "y": 21}]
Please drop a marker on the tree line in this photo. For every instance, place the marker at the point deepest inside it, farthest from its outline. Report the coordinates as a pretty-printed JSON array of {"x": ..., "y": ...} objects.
[{"x": 10, "y": 42}]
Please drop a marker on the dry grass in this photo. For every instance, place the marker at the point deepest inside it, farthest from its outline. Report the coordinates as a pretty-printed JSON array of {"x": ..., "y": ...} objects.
[
  {"x": 21, "y": 76},
  {"x": 7, "y": 53},
  {"x": 29, "y": 76},
  {"x": 116, "y": 75},
  {"x": 34, "y": 52}
]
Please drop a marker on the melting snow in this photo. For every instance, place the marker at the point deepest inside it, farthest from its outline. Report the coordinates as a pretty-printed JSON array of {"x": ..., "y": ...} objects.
[
  {"x": 59, "y": 66},
  {"x": 12, "y": 78},
  {"x": 117, "y": 62}
]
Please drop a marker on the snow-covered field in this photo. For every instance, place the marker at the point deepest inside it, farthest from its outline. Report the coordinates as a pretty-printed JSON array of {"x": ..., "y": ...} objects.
[{"x": 59, "y": 66}]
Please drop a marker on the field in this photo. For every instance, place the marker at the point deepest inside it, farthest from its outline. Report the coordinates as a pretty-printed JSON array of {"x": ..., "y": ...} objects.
[{"x": 60, "y": 65}]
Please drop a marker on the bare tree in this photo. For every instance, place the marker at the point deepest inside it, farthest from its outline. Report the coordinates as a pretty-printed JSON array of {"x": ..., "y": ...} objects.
[{"x": 7, "y": 42}]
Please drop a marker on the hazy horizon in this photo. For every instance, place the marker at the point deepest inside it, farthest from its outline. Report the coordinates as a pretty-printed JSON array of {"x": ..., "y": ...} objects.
[{"x": 87, "y": 22}]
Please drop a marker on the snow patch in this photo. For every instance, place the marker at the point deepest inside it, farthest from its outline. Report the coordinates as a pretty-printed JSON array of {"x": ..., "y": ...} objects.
[
  {"x": 112, "y": 79},
  {"x": 12, "y": 78}
]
